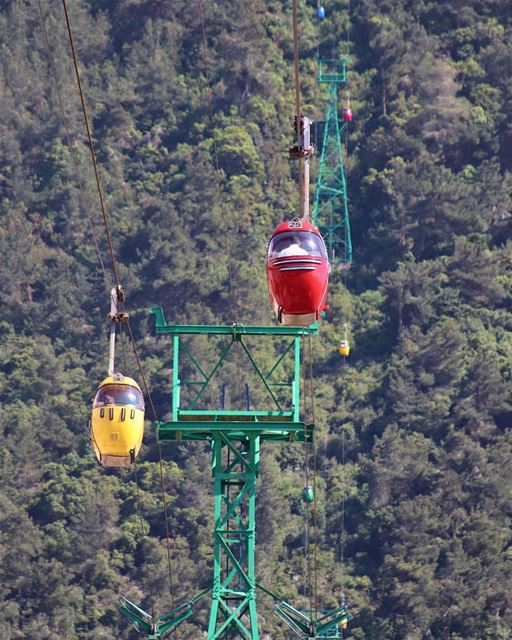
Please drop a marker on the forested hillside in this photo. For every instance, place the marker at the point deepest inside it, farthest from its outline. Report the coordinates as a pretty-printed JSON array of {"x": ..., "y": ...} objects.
[{"x": 416, "y": 525}]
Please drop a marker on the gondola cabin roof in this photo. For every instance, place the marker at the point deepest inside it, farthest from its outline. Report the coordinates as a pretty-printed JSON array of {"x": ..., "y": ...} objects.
[
  {"x": 118, "y": 378},
  {"x": 296, "y": 224}
]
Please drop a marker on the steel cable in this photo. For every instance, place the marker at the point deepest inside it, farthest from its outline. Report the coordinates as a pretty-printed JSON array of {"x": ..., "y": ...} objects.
[
  {"x": 314, "y": 455},
  {"x": 65, "y": 121},
  {"x": 91, "y": 146}
]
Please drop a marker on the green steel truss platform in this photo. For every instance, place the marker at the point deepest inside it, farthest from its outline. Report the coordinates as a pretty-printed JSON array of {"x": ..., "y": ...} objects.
[{"x": 235, "y": 437}]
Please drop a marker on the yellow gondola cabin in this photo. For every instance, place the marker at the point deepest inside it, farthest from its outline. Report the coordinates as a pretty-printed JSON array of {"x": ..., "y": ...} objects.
[{"x": 117, "y": 422}]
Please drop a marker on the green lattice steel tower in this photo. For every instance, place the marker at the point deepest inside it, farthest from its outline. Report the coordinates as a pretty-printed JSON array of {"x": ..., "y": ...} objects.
[
  {"x": 235, "y": 437},
  {"x": 330, "y": 213}
]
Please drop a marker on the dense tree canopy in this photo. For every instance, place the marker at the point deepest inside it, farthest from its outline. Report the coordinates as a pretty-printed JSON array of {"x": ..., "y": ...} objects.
[{"x": 414, "y": 440}]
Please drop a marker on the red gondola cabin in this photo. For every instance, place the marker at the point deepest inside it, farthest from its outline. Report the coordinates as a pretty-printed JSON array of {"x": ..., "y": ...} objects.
[{"x": 297, "y": 272}]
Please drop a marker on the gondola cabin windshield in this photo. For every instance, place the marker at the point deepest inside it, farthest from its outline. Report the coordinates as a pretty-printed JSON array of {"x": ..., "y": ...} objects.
[
  {"x": 296, "y": 243},
  {"x": 119, "y": 394}
]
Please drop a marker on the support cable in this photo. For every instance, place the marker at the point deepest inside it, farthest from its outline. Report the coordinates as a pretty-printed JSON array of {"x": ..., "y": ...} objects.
[
  {"x": 296, "y": 67},
  {"x": 72, "y": 155},
  {"x": 315, "y": 504},
  {"x": 349, "y": 13},
  {"x": 296, "y": 70},
  {"x": 161, "y": 467},
  {"x": 307, "y": 567},
  {"x": 141, "y": 521},
  {"x": 142, "y": 535},
  {"x": 210, "y": 97},
  {"x": 344, "y": 363},
  {"x": 311, "y": 565},
  {"x": 116, "y": 277},
  {"x": 91, "y": 147},
  {"x": 343, "y": 461},
  {"x": 317, "y": 63},
  {"x": 167, "y": 532}
]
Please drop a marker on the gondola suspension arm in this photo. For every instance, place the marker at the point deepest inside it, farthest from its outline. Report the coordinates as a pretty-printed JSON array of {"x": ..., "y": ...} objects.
[{"x": 116, "y": 316}]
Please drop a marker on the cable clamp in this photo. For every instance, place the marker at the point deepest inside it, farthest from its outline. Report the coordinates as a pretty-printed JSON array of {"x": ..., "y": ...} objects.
[
  {"x": 118, "y": 318},
  {"x": 301, "y": 152}
]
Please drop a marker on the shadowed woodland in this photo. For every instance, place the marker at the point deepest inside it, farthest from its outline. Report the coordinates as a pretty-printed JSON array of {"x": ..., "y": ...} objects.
[{"x": 414, "y": 442}]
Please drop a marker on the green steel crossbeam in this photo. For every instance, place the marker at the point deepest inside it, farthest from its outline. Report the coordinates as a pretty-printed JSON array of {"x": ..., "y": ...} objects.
[
  {"x": 236, "y": 328},
  {"x": 332, "y": 71},
  {"x": 204, "y": 430},
  {"x": 242, "y": 416}
]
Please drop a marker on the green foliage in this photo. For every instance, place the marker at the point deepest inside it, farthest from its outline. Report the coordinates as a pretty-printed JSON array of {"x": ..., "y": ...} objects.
[{"x": 413, "y": 440}]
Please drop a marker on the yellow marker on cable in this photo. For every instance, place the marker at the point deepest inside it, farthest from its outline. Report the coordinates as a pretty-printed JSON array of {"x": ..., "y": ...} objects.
[{"x": 344, "y": 346}]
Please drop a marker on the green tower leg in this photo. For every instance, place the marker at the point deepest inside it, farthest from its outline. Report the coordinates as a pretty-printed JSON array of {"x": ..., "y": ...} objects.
[{"x": 235, "y": 467}]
